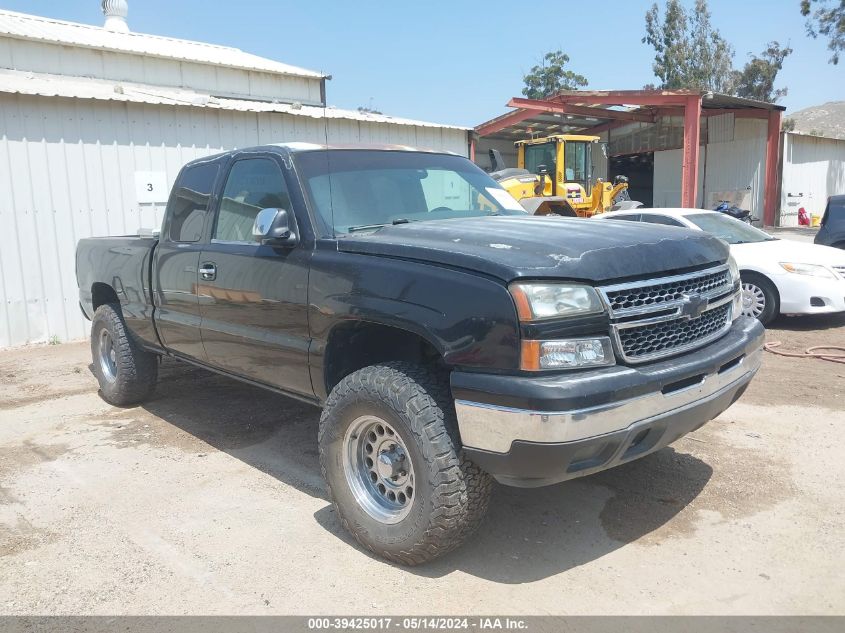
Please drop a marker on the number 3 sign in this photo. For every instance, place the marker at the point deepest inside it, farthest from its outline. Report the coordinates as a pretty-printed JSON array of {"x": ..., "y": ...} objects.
[{"x": 151, "y": 187}]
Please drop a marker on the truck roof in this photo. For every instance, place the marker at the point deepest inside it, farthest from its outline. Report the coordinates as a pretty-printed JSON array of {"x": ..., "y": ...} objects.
[
  {"x": 297, "y": 147},
  {"x": 310, "y": 147}
]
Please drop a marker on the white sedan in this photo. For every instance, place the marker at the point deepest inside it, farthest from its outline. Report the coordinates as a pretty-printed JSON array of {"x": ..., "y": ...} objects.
[{"x": 778, "y": 276}]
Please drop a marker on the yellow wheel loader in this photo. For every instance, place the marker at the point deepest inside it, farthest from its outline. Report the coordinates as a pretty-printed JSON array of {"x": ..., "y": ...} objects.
[{"x": 554, "y": 176}]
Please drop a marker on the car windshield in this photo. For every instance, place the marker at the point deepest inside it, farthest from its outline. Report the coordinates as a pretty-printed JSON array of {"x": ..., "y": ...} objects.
[
  {"x": 728, "y": 229},
  {"x": 363, "y": 190}
]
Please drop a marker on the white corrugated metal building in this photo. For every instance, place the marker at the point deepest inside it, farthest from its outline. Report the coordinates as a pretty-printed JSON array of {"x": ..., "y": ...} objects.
[
  {"x": 95, "y": 123},
  {"x": 731, "y": 166},
  {"x": 813, "y": 169}
]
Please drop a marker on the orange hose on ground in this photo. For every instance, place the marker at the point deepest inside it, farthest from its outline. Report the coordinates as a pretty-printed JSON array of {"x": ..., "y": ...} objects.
[{"x": 810, "y": 352}]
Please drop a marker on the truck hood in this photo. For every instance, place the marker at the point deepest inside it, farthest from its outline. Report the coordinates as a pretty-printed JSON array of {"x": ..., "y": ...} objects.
[{"x": 513, "y": 247}]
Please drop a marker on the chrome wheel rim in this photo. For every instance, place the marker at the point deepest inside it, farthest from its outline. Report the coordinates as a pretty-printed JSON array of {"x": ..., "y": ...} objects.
[
  {"x": 378, "y": 469},
  {"x": 753, "y": 300},
  {"x": 107, "y": 356}
]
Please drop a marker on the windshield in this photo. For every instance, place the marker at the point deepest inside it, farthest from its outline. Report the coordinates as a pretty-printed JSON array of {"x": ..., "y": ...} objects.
[
  {"x": 363, "y": 190},
  {"x": 728, "y": 229},
  {"x": 541, "y": 154}
]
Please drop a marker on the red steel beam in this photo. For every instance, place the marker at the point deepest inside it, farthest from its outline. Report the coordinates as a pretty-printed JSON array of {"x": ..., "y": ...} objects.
[
  {"x": 770, "y": 195},
  {"x": 692, "y": 139},
  {"x": 627, "y": 97},
  {"x": 500, "y": 123},
  {"x": 544, "y": 105}
]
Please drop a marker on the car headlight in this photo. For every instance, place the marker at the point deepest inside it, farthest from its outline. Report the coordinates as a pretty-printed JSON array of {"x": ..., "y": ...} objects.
[
  {"x": 733, "y": 269},
  {"x": 736, "y": 304},
  {"x": 536, "y": 301},
  {"x": 567, "y": 354},
  {"x": 814, "y": 270}
]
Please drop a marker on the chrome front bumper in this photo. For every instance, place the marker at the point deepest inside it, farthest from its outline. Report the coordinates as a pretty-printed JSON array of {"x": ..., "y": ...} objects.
[{"x": 495, "y": 428}]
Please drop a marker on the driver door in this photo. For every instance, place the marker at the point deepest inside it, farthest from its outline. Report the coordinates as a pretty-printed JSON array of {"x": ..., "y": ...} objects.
[{"x": 253, "y": 298}]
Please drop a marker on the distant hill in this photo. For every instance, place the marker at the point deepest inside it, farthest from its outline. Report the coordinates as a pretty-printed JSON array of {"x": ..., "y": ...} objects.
[{"x": 825, "y": 120}]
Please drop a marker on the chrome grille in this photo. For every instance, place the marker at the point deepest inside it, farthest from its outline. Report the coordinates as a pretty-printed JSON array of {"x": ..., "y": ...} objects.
[
  {"x": 659, "y": 317},
  {"x": 645, "y": 295},
  {"x": 646, "y": 341}
]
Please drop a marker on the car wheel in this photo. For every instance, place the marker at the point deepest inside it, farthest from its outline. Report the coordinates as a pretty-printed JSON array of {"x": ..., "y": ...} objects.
[
  {"x": 759, "y": 298},
  {"x": 394, "y": 467},
  {"x": 127, "y": 374}
]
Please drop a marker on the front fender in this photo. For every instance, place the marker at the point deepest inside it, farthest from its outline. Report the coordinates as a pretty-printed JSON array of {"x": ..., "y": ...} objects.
[{"x": 470, "y": 319}]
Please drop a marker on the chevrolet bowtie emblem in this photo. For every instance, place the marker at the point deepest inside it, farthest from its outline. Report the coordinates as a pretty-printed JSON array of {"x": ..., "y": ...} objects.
[{"x": 693, "y": 305}]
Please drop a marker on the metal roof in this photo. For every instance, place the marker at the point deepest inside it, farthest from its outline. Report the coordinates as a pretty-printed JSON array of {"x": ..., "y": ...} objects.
[
  {"x": 46, "y": 85},
  {"x": 33, "y": 27},
  {"x": 589, "y": 111}
]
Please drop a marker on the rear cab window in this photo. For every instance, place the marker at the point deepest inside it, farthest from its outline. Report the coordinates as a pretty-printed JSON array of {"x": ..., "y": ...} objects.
[{"x": 188, "y": 205}]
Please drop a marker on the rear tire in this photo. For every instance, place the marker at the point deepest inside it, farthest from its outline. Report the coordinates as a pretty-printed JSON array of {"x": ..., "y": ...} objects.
[
  {"x": 759, "y": 298},
  {"x": 391, "y": 458},
  {"x": 127, "y": 374}
]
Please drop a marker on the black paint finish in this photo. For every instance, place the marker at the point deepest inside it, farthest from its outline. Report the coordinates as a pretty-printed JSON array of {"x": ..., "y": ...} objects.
[{"x": 271, "y": 316}]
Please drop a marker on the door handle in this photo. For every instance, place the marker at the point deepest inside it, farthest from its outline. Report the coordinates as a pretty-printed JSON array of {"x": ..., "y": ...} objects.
[{"x": 208, "y": 271}]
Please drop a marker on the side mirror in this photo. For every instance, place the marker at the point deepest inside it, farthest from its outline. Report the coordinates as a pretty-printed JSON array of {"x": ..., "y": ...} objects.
[{"x": 275, "y": 227}]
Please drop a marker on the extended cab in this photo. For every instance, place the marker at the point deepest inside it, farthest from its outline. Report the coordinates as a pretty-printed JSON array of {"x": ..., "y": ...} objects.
[{"x": 450, "y": 338}]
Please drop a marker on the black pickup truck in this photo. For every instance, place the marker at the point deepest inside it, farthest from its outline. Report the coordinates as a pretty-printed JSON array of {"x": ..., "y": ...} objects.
[{"x": 450, "y": 338}]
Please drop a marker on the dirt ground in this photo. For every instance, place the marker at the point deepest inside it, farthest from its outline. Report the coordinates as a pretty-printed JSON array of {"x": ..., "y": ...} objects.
[{"x": 208, "y": 500}]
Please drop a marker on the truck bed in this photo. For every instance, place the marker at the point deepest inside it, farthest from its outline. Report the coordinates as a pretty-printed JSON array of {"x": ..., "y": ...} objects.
[{"x": 122, "y": 264}]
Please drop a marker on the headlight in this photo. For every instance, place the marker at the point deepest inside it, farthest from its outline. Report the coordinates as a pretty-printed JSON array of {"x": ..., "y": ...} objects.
[
  {"x": 567, "y": 354},
  {"x": 733, "y": 269},
  {"x": 814, "y": 270},
  {"x": 535, "y": 301},
  {"x": 736, "y": 305}
]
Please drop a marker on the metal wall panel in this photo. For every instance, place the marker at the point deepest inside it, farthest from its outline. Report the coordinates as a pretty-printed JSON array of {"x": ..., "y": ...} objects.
[
  {"x": 67, "y": 171},
  {"x": 726, "y": 169},
  {"x": 813, "y": 169},
  {"x": 720, "y": 128}
]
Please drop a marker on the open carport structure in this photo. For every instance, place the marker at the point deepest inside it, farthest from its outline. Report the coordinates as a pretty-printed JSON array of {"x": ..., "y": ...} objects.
[{"x": 702, "y": 145}]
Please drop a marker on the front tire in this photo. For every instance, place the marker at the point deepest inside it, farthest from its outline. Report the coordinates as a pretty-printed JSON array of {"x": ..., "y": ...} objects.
[
  {"x": 127, "y": 374},
  {"x": 392, "y": 461},
  {"x": 759, "y": 298}
]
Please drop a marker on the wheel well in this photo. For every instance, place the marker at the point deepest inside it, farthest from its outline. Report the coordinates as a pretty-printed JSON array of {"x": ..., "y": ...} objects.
[
  {"x": 763, "y": 278},
  {"x": 355, "y": 345},
  {"x": 102, "y": 294}
]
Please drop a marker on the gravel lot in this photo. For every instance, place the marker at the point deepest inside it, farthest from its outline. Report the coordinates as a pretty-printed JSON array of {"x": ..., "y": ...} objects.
[{"x": 208, "y": 499}]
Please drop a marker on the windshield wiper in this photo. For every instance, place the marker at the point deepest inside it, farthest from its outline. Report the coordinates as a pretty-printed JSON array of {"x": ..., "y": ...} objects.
[
  {"x": 372, "y": 227},
  {"x": 366, "y": 227}
]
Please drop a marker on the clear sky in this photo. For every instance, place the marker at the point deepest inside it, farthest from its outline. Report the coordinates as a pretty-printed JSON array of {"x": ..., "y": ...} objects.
[{"x": 460, "y": 61}]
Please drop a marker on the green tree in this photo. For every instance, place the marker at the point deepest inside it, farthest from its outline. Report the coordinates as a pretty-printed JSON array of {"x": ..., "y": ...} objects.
[
  {"x": 689, "y": 52},
  {"x": 551, "y": 77},
  {"x": 828, "y": 21},
  {"x": 757, "y": 79}
]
